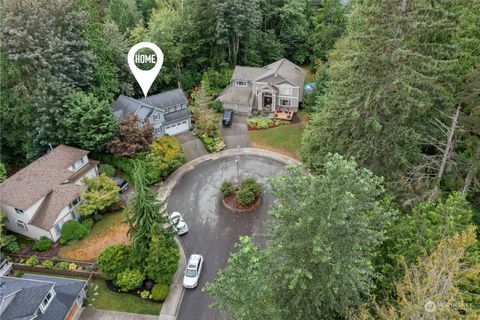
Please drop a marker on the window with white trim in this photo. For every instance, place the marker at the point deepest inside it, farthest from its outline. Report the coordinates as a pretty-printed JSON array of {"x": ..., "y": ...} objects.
[
  {"x": 285, "y": 90},
  {"x": 285, "y": 102},
  {"x": 22, "y": 225},
  {"x": 46, "y": 301},
  {"x": 58, "y": 229},
  {"x": 78, "y": 164},
  {"x": 240, "y": 83},
  {"x": 18, "y": 211},
  {"x": 74, "y": 203}
]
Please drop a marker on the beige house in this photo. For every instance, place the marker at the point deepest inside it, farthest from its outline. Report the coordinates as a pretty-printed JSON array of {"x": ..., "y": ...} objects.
[
  {"x": 276, "y": 88},
  {"x": 40, "y": 198}
]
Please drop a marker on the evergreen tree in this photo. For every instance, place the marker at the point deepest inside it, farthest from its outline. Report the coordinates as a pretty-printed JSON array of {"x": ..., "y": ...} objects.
[
  {"x": 89, "y": 123},
  {"x": 143, "y": 213}
]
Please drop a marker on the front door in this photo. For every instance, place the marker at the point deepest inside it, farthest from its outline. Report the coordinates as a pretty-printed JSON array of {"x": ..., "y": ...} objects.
[{"x": 267, "y": 102}]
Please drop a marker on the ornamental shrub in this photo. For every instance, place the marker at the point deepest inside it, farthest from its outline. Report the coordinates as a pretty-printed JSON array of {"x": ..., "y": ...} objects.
[
  {"x": 160, "y": 292},
  {"x": 62, "y": 265},
  {"x": 72, "y": 266},
  {"x": 107, "y": 169},
  {"x": 248, "y": 191},
  {"x": 145, "y": 294},
  {"x": 48, "y": 264},
  {"x": 72, "y": 230},
  {"x": 9, "y": 244},
  {"x": 113, "y": 260},
  {"x": 260, "y": 123},
  {"x": 227, "y": 188},
  {"x": 32, "y": 261},
  {"x": 87, "y": 223},
  {"x": 43, "y": 244},
  {"x": 129, "y": 279}
]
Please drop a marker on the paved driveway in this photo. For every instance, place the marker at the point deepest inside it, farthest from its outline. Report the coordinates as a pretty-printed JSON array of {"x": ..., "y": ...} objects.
[
  {"x": 192, "y": 146},
  {"x": 236, "y": 136},
  {"x": 214, "y": 229}
]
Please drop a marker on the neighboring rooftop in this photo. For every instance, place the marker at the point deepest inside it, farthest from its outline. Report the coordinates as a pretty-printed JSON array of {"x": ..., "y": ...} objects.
[
  {"x": 166, "y": 99},
  {"x": 21, "y": 297},
  {"x": 32, "y": 183}
]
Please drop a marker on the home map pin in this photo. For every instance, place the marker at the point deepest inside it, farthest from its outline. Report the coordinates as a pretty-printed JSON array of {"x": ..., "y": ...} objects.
[{"x": 145, "y": 78}]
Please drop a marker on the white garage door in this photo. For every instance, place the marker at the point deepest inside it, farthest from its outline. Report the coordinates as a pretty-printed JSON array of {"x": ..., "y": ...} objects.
[{"x": 173, "y": 129}]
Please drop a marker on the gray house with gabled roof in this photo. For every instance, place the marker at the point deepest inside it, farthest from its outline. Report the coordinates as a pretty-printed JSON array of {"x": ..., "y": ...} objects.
[
  {"x": 166, "y": 111},
  {"x": 275, "y": 88},
  {"x": 40, "y": 297}
]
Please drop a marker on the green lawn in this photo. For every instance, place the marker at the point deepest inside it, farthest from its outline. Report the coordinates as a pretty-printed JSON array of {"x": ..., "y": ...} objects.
[
  {"x": 284, "y": 139},
  {"x": 100, "y": 297}
]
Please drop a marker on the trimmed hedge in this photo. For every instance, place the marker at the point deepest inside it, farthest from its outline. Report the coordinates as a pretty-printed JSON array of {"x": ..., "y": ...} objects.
[
  {"x": 113, "y": 260},
  {"x": 248, "y": 191},
  {"x": 43, "y": 244},
  {"x": 129, "y": 280},
  {"x": 72, "y": 230}
]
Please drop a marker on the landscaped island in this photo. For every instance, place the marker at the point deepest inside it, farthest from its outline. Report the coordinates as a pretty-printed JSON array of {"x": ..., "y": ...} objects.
[{"x": 242, "y": 197}]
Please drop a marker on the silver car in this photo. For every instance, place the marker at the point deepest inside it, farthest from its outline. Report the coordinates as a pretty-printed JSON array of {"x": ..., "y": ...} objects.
[
  {"x": 194, "y": 269},
  {"x": 178, "y": 223}
]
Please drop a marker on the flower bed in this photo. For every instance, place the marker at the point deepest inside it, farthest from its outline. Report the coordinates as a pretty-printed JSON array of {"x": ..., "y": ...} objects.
[
  {"x": 257, "y": 123},
  {"x": 244, "y": 197}
]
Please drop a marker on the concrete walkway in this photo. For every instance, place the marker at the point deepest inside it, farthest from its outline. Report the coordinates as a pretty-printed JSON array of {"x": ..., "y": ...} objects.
[
  {"x": 171, "y": 305},
  {"x": 91, "y": 313}
]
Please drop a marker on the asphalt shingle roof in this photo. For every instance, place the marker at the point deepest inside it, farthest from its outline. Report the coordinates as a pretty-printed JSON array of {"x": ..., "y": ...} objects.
[
  {"x": 166, "y": 99},
  {"x": 176, "y": 115}
]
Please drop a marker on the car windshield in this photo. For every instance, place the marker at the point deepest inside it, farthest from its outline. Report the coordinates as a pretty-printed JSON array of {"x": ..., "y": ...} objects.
[
  {"x": 175, "y": 220},
  {"x": 191, "y": 273}
]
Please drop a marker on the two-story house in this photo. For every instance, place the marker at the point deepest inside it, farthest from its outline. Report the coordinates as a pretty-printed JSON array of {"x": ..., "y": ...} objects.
[
  {"x": 276, "y": 88},
  {"x": 41, "y": 197},
  {"x": 166, "y": 111},
  {"x": 40, "y": 297}
]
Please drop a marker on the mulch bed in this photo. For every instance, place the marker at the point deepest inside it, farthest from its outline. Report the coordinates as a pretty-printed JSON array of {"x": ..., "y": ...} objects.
[
  {"x": 231, "y": 203},
  {"x": 135, "y": 293},
  {"x": 53, "y": 252}
]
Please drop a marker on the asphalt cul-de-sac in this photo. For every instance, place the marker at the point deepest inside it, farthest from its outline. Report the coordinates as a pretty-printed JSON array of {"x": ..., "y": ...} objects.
[{"x": 214, "y": 229}]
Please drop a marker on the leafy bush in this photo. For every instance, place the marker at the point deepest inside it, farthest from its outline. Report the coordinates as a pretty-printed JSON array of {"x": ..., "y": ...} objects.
[
  {"x": 87, "y": 223},
  {"x": 72, "y": 266},
  {"x": 102, "y": 192},
  {"x": 43, "y": 244},
  {"x": 247, "y": 192},
  {"x": 160, "y": 292},
  {"x": 9, "y": 244},
  {"x": 48, "y": 264},
  {"x": 260, "y": 123},
  {"x": 107, "y": 169},
  {"x": 227, "y": 188},
  {"x": 32, "y": 261},
  {"x": 129, "y": 279},
  {"x": 145, "y": 294},
  {"x": 113, "y": 260},
  {"x": 62, "y": 265},
  {"x": 217, "y": 106},
  {"x": 212, "y": 144},
  {"x": 72, "y": 230}
]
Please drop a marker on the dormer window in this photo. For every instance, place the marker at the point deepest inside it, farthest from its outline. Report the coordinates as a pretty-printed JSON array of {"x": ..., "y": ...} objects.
[
  {"x": 46, "y": 301},
  {"x": 74, "y": 203},
  {"x": 78, "y": 164},
  {"x": 240, "y": 83}
]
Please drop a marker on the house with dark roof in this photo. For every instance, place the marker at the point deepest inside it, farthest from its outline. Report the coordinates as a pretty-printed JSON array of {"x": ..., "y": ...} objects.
[
  {"x": 276, "y": 88},
  {"x": 40, "y": 297},
  {"x": 41, "y": 197},
  {"x": 167, "y": 111}
]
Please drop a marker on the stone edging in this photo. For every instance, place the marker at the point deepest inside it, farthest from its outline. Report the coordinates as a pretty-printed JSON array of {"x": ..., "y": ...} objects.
[{"x": 167, "y": 187}]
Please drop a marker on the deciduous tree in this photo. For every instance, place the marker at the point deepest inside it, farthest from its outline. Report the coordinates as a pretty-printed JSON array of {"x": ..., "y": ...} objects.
[
  {"x": 101, "y": 193},
  {"x": 131, "y": 137}
]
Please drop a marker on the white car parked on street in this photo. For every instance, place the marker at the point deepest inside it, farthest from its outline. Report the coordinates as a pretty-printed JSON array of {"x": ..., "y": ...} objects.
[
  {"x": 178, "y": 223},
  {"x": 194, "y": 269}
]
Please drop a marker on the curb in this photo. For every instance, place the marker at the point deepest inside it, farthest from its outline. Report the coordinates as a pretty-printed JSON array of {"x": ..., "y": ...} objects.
[{"x": 171, "y": 305}]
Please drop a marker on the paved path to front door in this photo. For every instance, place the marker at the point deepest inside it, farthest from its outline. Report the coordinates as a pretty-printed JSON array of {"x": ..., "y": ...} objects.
[
  {"x": 236, "y": 136},
  {"x": 192, "y": 146}
]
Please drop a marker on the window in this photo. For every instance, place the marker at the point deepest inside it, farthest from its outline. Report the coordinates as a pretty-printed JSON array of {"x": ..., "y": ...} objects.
[
  {"x": 179, "y": 107},
  {"x": 259, "y": 92},
  {"x": 184, "y": 122},
  {"x": 155, "y": 117},
  {"x": 74, "y": 215},
  {"x": 58, "y": 229},
  {"x": 18, "y": 211},
  {"x": 240, "y": 83},
  {"x": 22, "y": 225},
  {"x": 74, "y": 203},
  {"x": 284, "y": 90},
  {"x": 46, "y": 301},
  {"x": 158, "y": 130},
  {"x": 77, "y": 164},
  {"x": 285, "y": 102}
]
